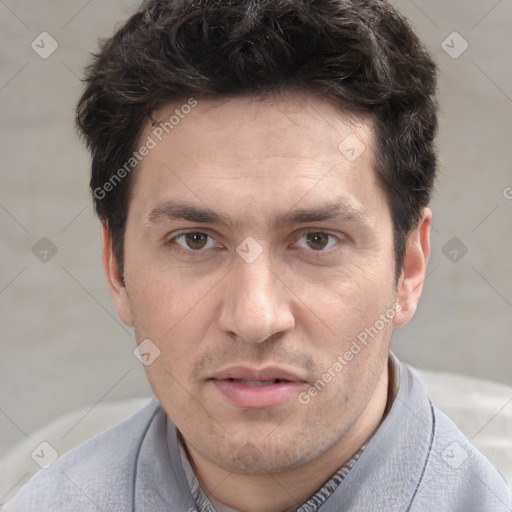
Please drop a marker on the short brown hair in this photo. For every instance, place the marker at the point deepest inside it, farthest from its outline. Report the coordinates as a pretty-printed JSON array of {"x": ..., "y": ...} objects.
[{"x": 360, "y": 54}]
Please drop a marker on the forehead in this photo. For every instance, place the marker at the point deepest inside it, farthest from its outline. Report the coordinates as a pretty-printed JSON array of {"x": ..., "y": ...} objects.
[
  {"x": 292, "y": 149},
  {"x": 289, "y": 125}
]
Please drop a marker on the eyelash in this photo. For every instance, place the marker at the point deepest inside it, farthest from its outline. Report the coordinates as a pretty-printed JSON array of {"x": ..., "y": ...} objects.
[
  {"x": 337, "y": 238},
  {"x": 303, "y": 234},
  {"x": 185, "y": 233}
]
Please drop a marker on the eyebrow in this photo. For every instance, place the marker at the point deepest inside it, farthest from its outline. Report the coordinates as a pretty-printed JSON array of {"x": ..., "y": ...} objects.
[
  {"x": 338, "y": 210},
  {"x": 177, "y": 210},
  {"x": 170, "y": 210}
]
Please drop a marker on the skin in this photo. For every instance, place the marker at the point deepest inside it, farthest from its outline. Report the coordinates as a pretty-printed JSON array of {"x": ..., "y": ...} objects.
[{"x": 298, "y": 306}]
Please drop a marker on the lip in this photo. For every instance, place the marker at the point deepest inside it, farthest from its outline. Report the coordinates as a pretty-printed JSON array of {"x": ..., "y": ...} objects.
[{"x": 239, "y": 385}]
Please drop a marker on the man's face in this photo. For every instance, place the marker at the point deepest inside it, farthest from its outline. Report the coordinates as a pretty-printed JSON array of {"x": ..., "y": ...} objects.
[{"x": 256, "y": 253}]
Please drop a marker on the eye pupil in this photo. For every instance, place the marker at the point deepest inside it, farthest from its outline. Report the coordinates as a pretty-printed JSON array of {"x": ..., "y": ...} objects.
[
  {"x": 196, "y": 240},
  {"x": 317, "y": 241}
]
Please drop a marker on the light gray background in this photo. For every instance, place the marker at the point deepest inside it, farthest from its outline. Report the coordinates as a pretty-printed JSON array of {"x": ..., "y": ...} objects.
[{"x": 62, "y": 344}]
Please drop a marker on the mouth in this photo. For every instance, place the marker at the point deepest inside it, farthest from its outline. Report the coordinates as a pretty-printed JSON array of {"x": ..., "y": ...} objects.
[
  {"x": 248, "y": 388},
  {"x": 246, "y": 382}
]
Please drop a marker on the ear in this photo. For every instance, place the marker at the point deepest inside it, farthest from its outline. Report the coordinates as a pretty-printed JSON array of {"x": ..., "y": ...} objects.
[
  {"x": 410, "y": 284},
  {"x": 114, "y": 278}
]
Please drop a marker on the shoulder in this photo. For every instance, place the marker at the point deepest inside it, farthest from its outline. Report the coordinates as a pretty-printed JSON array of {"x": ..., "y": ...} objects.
[
  {"x": 96, "y": 474},
  {"x": 457, "y": 477}
]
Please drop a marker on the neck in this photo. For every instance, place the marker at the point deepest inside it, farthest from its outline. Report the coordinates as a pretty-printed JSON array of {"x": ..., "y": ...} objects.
[{"x": 288, "y": 490}]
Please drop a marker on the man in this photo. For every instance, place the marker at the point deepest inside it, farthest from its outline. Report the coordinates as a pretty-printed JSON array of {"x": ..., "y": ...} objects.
[{"x": 262, "y": 170}]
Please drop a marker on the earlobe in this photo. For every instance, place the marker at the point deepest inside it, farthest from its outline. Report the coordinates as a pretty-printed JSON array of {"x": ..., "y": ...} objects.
[
  {"x": 114, "y": 278},
  {"x": 410, "y": 284}
]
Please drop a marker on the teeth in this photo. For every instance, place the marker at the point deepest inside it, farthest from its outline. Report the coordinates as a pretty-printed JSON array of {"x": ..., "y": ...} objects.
[{"x": 259, "y": 382}]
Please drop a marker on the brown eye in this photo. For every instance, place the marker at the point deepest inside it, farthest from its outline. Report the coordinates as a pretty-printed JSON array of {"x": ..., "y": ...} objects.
[
  {"x": 317, "y": 241},
  {"x": 196, "y": 241}
]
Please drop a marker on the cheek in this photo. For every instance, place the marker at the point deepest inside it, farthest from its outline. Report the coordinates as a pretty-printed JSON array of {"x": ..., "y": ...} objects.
[
  {"x": 356, "y": 312},
  {"x": 178, "y": 319},
  {"x": 346, "y": 300},
  {"x": 179, "y": 336},
  {"x": 164, "y": 298}
]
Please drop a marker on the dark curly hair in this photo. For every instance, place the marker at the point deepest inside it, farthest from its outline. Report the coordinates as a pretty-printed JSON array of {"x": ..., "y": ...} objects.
[{"x": 360, "y": 54}]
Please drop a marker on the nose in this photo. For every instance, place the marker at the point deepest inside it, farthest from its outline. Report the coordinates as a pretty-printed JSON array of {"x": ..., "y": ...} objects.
[{"x": 257, "y": 304}]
